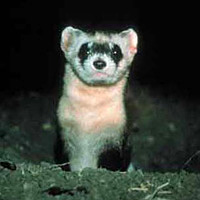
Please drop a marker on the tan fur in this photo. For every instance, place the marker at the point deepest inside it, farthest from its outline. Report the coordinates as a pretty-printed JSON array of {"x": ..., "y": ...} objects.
[{"x": 91, "y": 110}]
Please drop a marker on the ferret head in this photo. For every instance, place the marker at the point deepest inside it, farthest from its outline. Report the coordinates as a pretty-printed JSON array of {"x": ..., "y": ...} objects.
[{"x": 99, "y": 59}]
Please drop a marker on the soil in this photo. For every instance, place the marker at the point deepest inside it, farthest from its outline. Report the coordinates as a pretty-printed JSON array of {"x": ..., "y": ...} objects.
[{"x": 45, "y": 182}]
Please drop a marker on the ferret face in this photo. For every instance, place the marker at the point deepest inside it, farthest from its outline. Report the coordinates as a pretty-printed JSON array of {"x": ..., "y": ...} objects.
[
  {"x": 99, "y": 62},
  {"x": 99, "y": 59}
]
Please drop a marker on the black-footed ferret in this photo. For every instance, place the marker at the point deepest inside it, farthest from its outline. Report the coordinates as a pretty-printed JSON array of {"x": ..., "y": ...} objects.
[{"x": 91, "y": 111}]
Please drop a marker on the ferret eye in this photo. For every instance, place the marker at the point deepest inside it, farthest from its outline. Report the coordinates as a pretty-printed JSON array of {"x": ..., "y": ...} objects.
[
  {"x": 116, "y": 50},
  {"x": 116, "y": 53},
  {"x": 84, "y": 52}
]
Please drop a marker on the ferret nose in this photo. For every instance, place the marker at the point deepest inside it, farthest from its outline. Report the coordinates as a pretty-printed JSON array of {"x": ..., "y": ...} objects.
[{"x": 99, "y": 64}]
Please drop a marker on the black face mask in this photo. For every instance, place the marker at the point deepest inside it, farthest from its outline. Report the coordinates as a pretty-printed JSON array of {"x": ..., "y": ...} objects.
[{"x": 96, "y": 48}]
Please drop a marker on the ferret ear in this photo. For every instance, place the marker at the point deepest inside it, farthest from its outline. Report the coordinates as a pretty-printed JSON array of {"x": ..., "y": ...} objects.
[
  {"x": 132, "y": 37},
  {"x": 67, "y": 36}
]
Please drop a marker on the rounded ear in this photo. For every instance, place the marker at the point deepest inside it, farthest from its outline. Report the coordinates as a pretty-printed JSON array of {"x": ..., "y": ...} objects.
[
  {"x": 67, "y": 35},
  {"x": 132, "y": 37}
]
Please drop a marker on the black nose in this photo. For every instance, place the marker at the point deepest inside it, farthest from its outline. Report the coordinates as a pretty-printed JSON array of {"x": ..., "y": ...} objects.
[{"x": 99, "y": 64}]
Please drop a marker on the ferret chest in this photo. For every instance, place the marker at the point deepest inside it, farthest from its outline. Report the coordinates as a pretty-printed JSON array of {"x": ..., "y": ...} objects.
[{"x": 94, "y": 109}]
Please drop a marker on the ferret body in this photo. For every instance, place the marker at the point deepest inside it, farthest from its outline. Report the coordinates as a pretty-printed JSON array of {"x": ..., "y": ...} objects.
[{"x": 91, "y": 111}]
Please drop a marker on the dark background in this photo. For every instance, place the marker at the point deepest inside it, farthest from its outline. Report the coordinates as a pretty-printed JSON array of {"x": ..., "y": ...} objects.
[
  {"x": 32, "y": 63},
  {"x": 168, "y": 54}
]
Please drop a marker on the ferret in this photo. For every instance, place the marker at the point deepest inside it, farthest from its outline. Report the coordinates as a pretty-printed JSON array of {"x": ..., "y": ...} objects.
[{"x": 91, "y": 111}]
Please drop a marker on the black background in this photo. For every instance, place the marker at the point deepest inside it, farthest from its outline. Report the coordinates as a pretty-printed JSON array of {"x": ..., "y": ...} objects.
[{"x": 168, "y": 52}]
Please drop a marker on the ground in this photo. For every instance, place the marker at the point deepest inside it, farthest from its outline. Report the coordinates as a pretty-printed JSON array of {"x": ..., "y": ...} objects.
[
  {"x": 47, "y": 182},
  {"x": 166, "y": 153}
]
